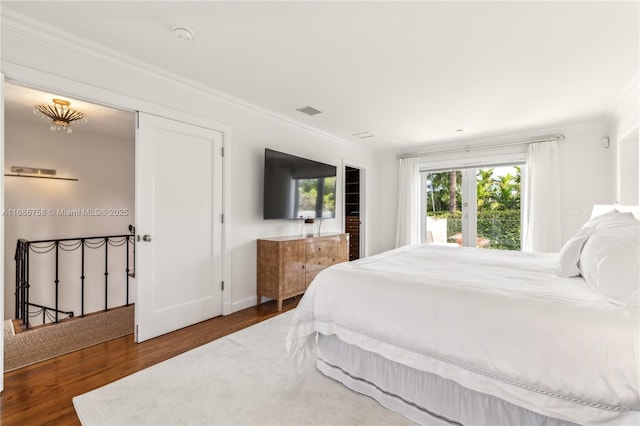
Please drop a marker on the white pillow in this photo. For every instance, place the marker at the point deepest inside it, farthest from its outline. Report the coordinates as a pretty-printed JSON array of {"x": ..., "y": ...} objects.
[
  {"x": 569, "y": 258},
  {"x": 594, "y": 221},
  {"x": 609, "y": 261}
]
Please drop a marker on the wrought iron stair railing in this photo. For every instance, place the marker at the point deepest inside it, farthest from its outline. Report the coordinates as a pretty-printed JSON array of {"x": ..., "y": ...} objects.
[{"x": 25, "y": 249}]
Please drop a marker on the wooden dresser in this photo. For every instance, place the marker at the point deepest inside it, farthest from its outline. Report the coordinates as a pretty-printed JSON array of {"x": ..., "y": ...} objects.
[{"x": 287, "y": 265}]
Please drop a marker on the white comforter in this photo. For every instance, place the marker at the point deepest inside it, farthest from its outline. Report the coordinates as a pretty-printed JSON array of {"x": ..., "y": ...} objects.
[{"x": 498, "y": 322}]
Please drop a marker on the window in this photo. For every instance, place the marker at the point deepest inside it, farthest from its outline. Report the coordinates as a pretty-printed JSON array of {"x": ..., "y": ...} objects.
[{"x": 473, "y": 207}]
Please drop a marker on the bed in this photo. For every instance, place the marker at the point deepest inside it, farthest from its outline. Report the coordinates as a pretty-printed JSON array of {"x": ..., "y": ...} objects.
[{"x": 447, "y": 335}]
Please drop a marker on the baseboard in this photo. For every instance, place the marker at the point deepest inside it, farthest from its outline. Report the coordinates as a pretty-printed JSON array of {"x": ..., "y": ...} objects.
[{"x": 243, "y": 304}]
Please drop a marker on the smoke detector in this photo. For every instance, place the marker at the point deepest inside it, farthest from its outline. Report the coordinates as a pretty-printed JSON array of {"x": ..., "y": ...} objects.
[{"x": 183, "y": 33}]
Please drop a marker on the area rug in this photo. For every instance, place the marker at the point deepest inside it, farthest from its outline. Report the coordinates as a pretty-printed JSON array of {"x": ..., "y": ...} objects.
[
  {"x": 244, "y": 378},
  {"x": 43, "y": 343}
]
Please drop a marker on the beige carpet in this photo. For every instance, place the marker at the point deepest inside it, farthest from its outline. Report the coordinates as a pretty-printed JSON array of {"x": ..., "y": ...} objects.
[
  {"x": 39, "y": 344},
  {"x": 244, "y": 379}
]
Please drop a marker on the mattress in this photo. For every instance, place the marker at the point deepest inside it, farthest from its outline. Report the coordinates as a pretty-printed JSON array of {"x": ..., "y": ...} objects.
[{"x": 499, "y": 323}]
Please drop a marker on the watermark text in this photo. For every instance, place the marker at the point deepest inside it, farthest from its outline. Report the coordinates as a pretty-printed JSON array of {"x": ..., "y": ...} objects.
[{"x": 59, "y": 212}]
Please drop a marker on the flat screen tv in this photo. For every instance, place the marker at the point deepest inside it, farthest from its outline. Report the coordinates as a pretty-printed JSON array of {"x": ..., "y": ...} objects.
[{"x": 298, "y": 188}]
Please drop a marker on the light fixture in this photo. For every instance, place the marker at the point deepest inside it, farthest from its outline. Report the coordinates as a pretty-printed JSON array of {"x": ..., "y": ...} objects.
[
  {"x": 60, "y": 114},
  {"x": 35, "y": 172}
]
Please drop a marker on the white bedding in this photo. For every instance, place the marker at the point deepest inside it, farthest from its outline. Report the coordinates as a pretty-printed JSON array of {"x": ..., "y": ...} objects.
[{"x": 497, "y": 322}]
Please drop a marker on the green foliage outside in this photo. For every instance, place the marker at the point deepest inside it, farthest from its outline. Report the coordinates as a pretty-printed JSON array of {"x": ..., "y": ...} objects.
[
  {"x": 498, "y": 199},
  {"x": 441, "y": 196},
  {"x": 500, "y": 227}
]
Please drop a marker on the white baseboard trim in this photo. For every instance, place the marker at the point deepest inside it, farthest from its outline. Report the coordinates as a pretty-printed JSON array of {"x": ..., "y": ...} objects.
[{"x": 239, "y": 305}]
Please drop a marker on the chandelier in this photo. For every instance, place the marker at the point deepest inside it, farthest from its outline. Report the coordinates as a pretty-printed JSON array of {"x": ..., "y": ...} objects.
[{"x": 60, "y": 114}]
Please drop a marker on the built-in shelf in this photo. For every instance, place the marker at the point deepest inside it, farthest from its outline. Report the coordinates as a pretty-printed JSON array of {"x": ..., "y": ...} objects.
[{"x": 352, "y": 210}]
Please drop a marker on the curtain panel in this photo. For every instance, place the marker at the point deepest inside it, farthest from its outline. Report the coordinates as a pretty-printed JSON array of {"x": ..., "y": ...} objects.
[
  {"x": 541, "y": 204},
  {"x": 408, "y": 224}
]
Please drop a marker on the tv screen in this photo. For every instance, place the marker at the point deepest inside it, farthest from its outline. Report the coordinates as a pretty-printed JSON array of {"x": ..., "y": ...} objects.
[{"x": 298, "y": 188}]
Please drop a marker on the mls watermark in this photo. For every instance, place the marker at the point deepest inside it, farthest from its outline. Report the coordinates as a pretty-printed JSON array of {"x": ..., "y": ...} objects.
[{"x": 97, "y": 212}]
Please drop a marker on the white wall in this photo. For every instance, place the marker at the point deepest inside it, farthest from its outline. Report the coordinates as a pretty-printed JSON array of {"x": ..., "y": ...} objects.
[
  {"x": 250, "y": 136},
  {"x": 249, "y": 132},
  {"x": 625, "y": 141},
  {"x": 628, "y": 174},
  {"x": 104, "y": 167},
  {"x": 587, "y": 177}
]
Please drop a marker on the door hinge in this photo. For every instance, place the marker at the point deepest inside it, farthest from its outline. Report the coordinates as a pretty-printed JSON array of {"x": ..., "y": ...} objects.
[
  {"x": 222, "y": 149},
  {"x": 222, "y": 285},
  {"x": 222, "y": 218}
]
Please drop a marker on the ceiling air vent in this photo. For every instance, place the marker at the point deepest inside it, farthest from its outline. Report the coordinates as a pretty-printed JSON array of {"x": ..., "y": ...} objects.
[{"x": 309, "y": 110}]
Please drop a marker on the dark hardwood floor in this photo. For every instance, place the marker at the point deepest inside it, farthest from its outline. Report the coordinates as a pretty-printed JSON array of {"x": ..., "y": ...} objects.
[{"x": 41, "y": 394}]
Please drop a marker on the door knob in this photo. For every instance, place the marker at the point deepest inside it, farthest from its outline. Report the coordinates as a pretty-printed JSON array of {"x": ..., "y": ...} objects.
[{"x": 146, "y": 237}]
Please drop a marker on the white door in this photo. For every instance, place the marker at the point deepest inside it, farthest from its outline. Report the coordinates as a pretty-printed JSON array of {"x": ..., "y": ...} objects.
[{"x": 178, "y": 225}]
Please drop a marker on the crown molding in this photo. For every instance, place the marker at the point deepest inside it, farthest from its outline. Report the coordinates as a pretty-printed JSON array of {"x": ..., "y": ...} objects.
[
  {"x": 497, "y": 138},
  {"x": 56, "y": 38}
]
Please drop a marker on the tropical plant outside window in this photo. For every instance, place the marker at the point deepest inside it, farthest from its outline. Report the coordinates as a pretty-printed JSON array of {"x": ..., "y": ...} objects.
[{"x": 498, "y": 206}]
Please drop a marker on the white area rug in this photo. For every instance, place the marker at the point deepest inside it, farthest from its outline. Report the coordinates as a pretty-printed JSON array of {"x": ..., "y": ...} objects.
[{"x": 242, "y": 379}]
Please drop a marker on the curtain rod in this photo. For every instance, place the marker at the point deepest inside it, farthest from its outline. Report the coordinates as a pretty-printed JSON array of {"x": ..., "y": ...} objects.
[{"x": 474, "y": 148}]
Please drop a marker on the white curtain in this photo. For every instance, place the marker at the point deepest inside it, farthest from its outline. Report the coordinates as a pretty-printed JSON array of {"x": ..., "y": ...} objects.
[
  {"x": 408, "y": 227},
  {"x": 541, "y": 216}
]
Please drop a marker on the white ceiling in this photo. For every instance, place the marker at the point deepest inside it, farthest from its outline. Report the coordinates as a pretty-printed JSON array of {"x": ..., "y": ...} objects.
[
  {"x": 19, "y": 103},
  {"x": 408, "y": 72}
]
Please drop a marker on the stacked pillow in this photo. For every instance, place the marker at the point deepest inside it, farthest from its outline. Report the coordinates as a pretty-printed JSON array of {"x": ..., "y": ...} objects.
[
  {"x": 569, "y": 259},
  {"x": 606, "y": 253}
]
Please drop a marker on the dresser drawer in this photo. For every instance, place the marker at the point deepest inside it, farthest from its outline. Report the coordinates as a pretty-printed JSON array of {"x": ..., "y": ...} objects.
[{"x": 319, "y": 255}]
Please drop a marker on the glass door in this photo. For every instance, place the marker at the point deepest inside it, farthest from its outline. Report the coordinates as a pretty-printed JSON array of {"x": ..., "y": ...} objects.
[
  {"x": 475, "y": 207},
  {"x": 442, "y": 201}
]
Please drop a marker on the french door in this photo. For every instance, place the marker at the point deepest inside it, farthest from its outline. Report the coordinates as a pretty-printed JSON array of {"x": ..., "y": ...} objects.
[
  {"x": 473, "y": 207},
  {"x": 178, "y": 222}
]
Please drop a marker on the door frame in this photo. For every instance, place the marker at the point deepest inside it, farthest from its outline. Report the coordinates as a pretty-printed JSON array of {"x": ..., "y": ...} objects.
[
  {"x": 36, "y": 79},
  {"x": 363, "y": 207},
  {"x": 2, "y": 78}
]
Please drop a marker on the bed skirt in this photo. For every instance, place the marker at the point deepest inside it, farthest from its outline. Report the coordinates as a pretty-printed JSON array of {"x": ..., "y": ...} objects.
[{"x": 422, "y": 397}]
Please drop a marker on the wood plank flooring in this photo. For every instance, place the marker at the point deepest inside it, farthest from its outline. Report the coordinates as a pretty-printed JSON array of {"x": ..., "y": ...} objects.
[{"x": 41, "y": 394}]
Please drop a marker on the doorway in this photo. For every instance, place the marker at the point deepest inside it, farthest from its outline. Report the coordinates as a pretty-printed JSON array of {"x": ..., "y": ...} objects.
[
  {"x": 85, "y": 169},
  {"x": 61, "y": 187},
  {"x": 67, "y": 185},
  {"x": 473, "y": 207},
  {"x": 353, "y": 207}
]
